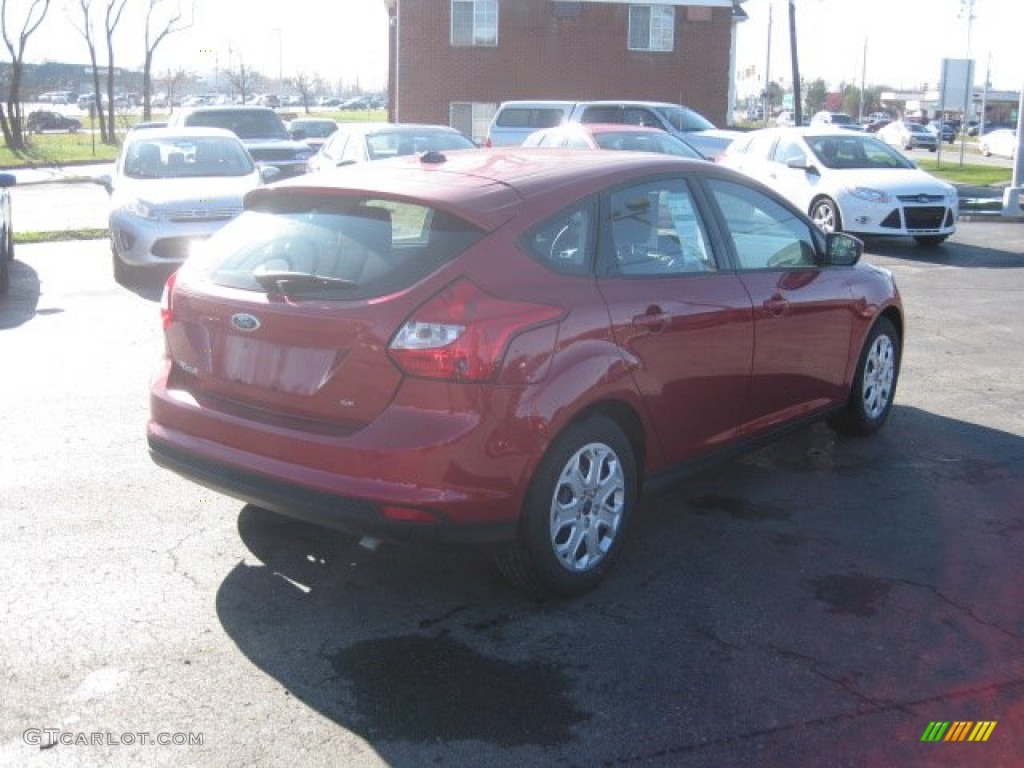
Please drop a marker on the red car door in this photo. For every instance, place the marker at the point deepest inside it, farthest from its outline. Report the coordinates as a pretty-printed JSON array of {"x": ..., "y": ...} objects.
[
  {"x": 684, "y": 324},
  {"x": 803, "y": 312}
]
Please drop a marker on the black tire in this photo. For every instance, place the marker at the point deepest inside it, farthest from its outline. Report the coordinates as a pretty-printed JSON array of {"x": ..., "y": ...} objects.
[
  {"x": 589, "y": 474},
  {"x": 874, "y": 383},
  {"x": 930, "y": 239},
  {"x": 825, "y": 213}
]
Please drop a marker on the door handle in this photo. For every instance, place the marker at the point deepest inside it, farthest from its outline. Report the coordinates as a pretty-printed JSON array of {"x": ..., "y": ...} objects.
[
  {"x": 653, "y": 319},
  {"x": 776, "y": 305}
]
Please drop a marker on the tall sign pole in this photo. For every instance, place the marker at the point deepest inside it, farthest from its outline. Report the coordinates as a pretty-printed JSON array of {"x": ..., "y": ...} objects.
[{"x": 1011, "y": 197}]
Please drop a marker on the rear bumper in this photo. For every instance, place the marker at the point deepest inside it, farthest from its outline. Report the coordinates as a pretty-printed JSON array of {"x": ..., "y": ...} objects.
[{"x": 359, "y": 517}]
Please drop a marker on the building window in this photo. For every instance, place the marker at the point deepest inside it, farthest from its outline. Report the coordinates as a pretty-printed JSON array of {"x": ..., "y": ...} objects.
[
  {"x": 472, "y": 119},
  {"x": 651, "y": 27},
  {"x": 475, "y": 22}
]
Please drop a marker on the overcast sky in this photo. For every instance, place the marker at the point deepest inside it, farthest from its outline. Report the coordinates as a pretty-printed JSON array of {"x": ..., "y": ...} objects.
[{"x": 347, "y": 39}]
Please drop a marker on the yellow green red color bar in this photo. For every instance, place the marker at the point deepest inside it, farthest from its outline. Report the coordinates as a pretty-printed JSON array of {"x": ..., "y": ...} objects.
[{"x": 958, "y": 730}]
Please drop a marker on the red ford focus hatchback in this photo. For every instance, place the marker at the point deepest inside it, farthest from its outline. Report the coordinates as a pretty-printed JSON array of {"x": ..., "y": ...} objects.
[{"x": 504, "y": 346}]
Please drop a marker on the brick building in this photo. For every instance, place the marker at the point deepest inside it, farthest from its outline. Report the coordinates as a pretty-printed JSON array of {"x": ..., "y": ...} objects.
[{"x": 454, "y": 61}]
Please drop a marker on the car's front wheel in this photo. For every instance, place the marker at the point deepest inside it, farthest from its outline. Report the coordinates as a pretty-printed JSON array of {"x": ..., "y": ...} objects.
[
  {"x": 874, "y": 383},
  {"x": 825, "y": 213},
  {"x": 576, "y": 511}
]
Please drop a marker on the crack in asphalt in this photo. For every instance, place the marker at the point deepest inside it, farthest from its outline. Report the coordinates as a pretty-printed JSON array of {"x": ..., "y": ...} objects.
[
  {"x": 962, "y": 608},
  {"x": 748, "y": 736}
]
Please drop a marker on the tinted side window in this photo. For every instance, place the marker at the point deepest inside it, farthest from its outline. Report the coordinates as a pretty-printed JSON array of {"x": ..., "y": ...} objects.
[
  {"x": 564, "y": 242},
  {"x": 765, "y": 234},
  {"x": 529, "y": 117},
  {"x": 761, "y": 145},
  {"x": 601, "y": 115},
  {"x": 790, "y": 150},
  {"x": 656, "y": 230}
]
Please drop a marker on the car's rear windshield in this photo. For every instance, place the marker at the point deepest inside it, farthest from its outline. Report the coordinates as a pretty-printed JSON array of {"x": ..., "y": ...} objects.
[
  {"x": 332, "y": 248},
  {"x": 186, "y": 157},
  {"x": 529, "y": 117},
  {"x": 246, "y": 124},
  {"x": 395, "y": 143},
  {"x": 685, "y": 119}
]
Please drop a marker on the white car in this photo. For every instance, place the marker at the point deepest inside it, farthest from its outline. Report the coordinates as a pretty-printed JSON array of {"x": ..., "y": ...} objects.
[
  {"x": 848, "y": 181},
  {"x": 1002, "y": 141},
  {"x": 172, "y": 187}
]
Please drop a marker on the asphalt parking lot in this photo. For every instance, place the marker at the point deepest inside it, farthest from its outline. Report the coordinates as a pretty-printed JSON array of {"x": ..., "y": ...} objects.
[{"x": 818, "y": 602}]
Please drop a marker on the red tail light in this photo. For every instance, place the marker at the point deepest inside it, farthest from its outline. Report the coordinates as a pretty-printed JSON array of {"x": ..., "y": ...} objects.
[
  {"x": 462, "y": 333},
  {"x": 167, "y": 301}
]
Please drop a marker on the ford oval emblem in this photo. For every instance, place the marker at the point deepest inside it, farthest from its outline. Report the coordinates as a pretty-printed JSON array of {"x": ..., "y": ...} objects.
[{"x": 245, "y": 322}]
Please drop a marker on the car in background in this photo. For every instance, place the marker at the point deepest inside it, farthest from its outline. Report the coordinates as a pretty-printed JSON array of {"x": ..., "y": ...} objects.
[
  {"x": 1002, "y": 141},
  {"x": 837, "y": 119},
  {"x": 875, "y": 126},
  {"x": 363, "y": 142},
  {"x": 172, "y": 188},
  {"x": 261, "y": 130},
  {"x": 7, "y": 180},
  {"x": 849, "y": 182},
  {"x": 312, "y": 130},
  {"x": 943, "y": 128},
  {"x": 515, "y": 120},
  {"x": 907, "y": 134},
  {"x": 631, "y": 138},
  {"x": 679, "y": 121},
  {"x": 505, "y": 346},
  {"x": 47, "y": 120}
]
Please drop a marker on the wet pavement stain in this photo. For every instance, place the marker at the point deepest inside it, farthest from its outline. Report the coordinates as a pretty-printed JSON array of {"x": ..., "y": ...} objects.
[
  {"x": 741, "y": 509},
  {"x": 854, "y": 594},
  {"x": 430, "y": 689}
]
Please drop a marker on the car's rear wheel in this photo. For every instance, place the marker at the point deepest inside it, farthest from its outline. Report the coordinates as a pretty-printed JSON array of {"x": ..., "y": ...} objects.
[
  {"x": 825, "y": 213},
  {"x": 874, "y": 384},
  {"x": 576, "y": 511}
]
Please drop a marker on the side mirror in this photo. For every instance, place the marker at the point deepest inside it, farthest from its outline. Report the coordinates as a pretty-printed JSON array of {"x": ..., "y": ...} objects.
[
  {"x": 8, "y": 180},
  {"x": 298, "y": 134},
  {"x": 798, "y": 165},
  {"x": 106, "y": 181},
  {"x": 268, "y": 173},
  {"x": 842, "y": 249}
]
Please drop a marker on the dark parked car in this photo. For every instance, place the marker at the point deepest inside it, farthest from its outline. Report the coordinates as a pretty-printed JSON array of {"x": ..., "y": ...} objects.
[
  {"x": 7, "y": 181},
  {"x": 261, "y": 130},
  {"x": 509, "y": 345},
  {"x": 45, "y": 120}
]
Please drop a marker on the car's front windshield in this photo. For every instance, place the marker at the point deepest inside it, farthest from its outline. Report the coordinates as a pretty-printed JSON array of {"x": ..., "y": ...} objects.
[
  {"x": 855, "y": 152},
  {"x": 191, "y": 157}
]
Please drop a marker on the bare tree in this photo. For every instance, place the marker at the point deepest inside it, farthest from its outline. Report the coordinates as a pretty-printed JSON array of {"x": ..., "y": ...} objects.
[
  {"x": 85, "y": 6},
  {"x": 173, "y": 81},
  {"x": 307, "y": 85},
  {"x": 111, "y": 18},
  {"x": 11, "y": 118},
  {"x": 162, "y": 19},
  {"x": 243, "y": 80}
]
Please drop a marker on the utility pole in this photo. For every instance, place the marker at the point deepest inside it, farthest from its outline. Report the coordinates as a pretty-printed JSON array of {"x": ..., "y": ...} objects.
[
  {"x": 768, "y": 70},
  {"x": 798, "y": 107}
]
